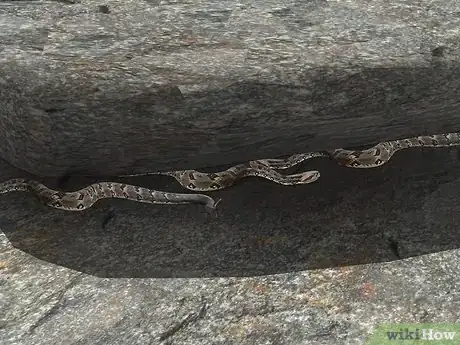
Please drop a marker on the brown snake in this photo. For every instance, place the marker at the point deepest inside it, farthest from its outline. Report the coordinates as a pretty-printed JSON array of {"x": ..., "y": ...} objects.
[
  {"x": 369, "y": 158},
  {"x": 84, "y": 198},
  {"x": 198, "y": 181}
]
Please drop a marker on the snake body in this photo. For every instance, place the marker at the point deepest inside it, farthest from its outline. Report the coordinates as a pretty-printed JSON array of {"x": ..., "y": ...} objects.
[
  {"x": 84, "y": 198},
  {"x": 199, "y": 181},
  {"x": 369, "y": 158}
]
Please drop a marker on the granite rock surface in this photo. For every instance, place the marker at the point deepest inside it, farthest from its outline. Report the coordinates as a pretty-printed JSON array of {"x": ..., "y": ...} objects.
[
  {"x": 134, "y": 86},
  {"x": 324, "y": 263}
]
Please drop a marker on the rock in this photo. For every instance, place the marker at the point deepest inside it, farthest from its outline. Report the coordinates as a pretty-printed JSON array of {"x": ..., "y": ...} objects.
[
  {"x": 129, "y": 87},
  {"x": 324, "y": 263}
]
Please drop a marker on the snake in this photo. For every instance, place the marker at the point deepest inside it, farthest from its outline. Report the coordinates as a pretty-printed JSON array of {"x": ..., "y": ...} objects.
[
  {"x": 199, "y": 181},
  {"x": 86, "y": 197},
  {"x": 373, "y": 157}
]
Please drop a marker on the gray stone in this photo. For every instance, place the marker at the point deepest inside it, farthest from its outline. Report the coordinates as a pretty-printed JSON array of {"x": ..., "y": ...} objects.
[
  {"x": 324, "y": 263},
  {"x": 135, "y": 86}
]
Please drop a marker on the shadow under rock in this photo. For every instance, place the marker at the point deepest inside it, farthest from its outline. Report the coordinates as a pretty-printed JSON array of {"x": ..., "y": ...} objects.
[{"x": 408, "y": 207}]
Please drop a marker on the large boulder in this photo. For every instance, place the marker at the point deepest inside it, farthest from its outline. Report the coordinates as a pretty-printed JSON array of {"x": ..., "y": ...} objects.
[{"x": 137, "y": 86}]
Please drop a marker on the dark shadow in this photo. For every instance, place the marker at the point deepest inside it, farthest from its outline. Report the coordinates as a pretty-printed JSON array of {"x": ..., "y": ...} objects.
[{"x": 405, "y": 208}]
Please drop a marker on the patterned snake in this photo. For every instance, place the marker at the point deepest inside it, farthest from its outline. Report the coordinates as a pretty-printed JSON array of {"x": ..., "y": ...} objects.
[
  {"x": 369, "y": 158},
  {"x": 198, "y": 181},
  {"x": 84, "y": 198}
]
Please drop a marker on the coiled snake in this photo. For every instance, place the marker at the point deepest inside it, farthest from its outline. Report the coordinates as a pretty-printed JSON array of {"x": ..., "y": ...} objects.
[{"x": 197, "y": 181}]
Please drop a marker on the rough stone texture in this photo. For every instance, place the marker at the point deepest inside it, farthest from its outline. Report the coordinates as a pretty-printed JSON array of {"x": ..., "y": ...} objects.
[
  {"x": 134, "y": 86},
  {"x": 317, "y": 264}
]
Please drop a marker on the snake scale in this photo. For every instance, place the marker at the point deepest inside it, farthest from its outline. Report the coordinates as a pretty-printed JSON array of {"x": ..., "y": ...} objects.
[{"x": 198, "y": 181}]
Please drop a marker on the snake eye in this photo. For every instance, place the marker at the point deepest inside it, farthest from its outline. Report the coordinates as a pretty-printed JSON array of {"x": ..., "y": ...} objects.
[
  {"x": 79, "y": 206},
  {"x": 191, "y": 185},
  {"x": 379, "y": 161}
]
